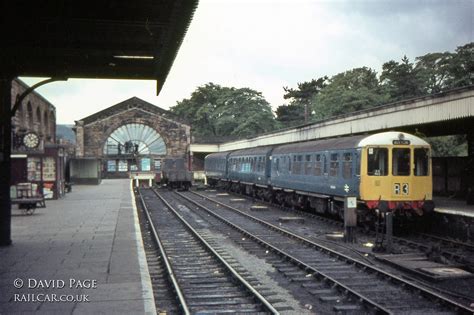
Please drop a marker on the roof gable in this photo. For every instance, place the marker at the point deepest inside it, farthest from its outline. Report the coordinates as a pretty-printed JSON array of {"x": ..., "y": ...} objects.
[{"x": 126, "y": 105}]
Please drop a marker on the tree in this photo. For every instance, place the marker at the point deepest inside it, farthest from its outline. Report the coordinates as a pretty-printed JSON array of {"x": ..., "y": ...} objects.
[
  {"x": 462, "y": 66},
  {"x": 305, "y": 92},
  {"x": 219, "y": 111},
  {"x": 434, "y": 71},
  {"x": 347, "y": 92},
  {"x": 200, "y": 108},
  {"x": 290, "y": 115},
  {"x": 448, "y": 145},
  {"x": 401, "y": 80}
]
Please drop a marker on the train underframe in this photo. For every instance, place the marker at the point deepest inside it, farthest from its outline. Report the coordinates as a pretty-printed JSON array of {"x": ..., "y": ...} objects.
[{"x": 367, "y": 212}]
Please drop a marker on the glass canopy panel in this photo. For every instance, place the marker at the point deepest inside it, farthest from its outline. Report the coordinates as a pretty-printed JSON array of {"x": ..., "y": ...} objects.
[{"x": 134, "y": 138}]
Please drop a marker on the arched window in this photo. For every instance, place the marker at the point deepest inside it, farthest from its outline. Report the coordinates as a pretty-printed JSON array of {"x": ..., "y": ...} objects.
[
  {"x": 46, "y": 123},
  {"x": 134, "y": 139},
  {"x": 38, "y": 115},
  {"x": 30, "y": 115},
  {"x": 52, "y": 123}
]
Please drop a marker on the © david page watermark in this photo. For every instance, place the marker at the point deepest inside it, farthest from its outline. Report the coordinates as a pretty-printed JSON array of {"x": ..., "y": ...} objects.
[{"x": 36, "y": 290}]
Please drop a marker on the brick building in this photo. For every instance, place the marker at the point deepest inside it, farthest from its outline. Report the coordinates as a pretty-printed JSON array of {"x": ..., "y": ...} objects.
[{"x": 128, "y": 138}]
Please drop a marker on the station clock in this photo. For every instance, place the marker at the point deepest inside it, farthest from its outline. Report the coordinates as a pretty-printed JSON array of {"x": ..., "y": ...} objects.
[{"x": 31, "y": 140}]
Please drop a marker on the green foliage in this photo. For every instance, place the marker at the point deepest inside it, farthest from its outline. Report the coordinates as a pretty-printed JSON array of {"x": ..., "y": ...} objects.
[
  {"x": 301, "y": 97},
  {"x": 462, "y": 67},
  {"x": 434, "y": 71},
  {"x": 448, "y": 145},
  {"x": 349, "y": 91},
  {"x": 401, "y": 80},
  {"x": 290, "y": 115},
  {"x": 219, "y": 111}
]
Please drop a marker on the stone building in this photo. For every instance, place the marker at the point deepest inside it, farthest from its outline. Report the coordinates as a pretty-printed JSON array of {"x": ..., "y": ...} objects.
[
  {"x": 36, "y": 158},
  {"x": 128, "y": 139},
  {"x": 35, "y": 114}
]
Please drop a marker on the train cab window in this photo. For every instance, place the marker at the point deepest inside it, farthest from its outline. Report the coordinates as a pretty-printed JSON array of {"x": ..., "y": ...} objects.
[
  {"x": 347, "y": 165},
  {"x": 318, "y": 165},
  {"x": 422, "y": 156},
  {"x": 400, "y": 162},
  {"x": 377, "y": 161},
  {"x": 334, "y": 167}
]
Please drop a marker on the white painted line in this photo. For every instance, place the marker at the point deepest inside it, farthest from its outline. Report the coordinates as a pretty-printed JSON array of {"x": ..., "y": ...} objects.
[
  {"x": 147, "y": 289},
  {"x": 464, "y": 213}
]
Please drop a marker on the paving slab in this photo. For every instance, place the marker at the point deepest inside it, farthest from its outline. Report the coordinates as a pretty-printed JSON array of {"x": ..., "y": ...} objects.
[{"x": 82, "y": 254}]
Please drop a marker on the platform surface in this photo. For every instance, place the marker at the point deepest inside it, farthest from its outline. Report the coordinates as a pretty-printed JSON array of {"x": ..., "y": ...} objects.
[
  {"x": 453, "y": 206},
  {"x": 85, "y": 247}
]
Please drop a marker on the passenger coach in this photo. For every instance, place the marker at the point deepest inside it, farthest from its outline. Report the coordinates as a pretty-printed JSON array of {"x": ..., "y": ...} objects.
[{"x": 389, "y": 171}]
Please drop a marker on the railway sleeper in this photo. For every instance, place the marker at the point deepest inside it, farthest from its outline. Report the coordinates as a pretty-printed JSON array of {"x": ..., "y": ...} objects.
[
  {"x": 214, "y": 296},
  {"x": 215, "y": 289},
  {"x": 248, "y": 310},
  {"x": 244, "y": 302}
]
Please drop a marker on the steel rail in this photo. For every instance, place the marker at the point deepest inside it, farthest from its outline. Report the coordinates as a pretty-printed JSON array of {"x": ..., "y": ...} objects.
[
  {"x": 247, "y": 285},
  {"x": 468, "y": 246},
  {"x": 402, "y": 241},
  {"x": 341, "y": 256},
  {"x": 298, "y": 262},
  {"x": 177, "y": 288}
]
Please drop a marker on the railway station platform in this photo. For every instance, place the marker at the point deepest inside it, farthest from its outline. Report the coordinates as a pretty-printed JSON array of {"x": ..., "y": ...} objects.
[
  {"x": 453, "y": 206},
  {"x": 82, "y": 254}
]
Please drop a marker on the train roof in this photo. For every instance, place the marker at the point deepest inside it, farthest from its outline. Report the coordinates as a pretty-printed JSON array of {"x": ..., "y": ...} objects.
[
  {"x": 252, "y": 151},
  {"x": 388, "y": 138},
  {"x": 351, "y": 142},
  {"x": 320, "y": 145},
  {"x": 222, "y": 155},
  {"x": 383, "y": 138}
]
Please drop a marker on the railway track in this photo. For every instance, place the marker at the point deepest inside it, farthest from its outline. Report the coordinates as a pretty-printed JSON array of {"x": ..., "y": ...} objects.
[
  {"x": 375, "y": 289},
  {"x": 446, "y": 250},
  {"x": 201, "y": 279}
]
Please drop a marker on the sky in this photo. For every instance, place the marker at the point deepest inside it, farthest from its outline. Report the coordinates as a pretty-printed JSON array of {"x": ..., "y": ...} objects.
[{"x": 268, "y": 44}]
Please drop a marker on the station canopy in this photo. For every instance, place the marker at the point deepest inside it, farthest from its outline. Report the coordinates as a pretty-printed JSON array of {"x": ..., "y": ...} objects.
[{"x": 115, "y": 39}]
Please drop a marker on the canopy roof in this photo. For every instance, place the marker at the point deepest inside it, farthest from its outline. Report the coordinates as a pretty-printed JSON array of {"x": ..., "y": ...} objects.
[{"x": 119, "y": 39}]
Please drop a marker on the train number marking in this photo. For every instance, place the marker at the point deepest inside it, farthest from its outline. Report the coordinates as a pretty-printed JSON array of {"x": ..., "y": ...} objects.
[
  {"x": 401, "y": 189},
  {"x": 396, "y": 189},
  {"x": 346, "y": 188},
  {"x": 405, "y": 189}
]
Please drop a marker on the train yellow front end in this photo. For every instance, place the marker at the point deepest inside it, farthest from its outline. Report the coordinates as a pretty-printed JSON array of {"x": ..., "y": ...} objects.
[{"x": 396, "y": 173}]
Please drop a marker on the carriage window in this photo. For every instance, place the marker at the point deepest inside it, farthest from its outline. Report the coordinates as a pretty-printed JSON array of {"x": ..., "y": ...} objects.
[
  {"x": 308, "y": 165},
  {"x": 333, "y": 171},
  {"x": 318, "y": 165},
  {"x": 421, "y": 161},
  {"x": 401, "y": 162},
  {"x": 325, "y": 165},
  {"x": 377, "y": 161},
  {"x": 297, "y": 159},
  {"x": 347, "y": 165},
  {"x": 277, "y": 164}
]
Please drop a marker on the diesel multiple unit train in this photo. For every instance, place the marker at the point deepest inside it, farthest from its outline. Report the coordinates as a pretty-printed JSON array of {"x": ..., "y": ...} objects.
[{"x": 389, "y": 171}]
